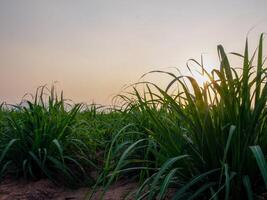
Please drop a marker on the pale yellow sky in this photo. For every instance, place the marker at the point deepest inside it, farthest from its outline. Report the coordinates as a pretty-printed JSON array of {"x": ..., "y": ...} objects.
[{"x": 93, "y": 48}]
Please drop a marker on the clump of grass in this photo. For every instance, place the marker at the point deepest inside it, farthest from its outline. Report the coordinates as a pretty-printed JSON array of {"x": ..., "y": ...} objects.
[
  {"x": 41, "y": 139},
  {"x": 211, "y": 138}
]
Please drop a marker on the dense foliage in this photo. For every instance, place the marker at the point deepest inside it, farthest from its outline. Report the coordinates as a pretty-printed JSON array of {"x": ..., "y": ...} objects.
[
  {"x": 40, "y": 138},
  {"x": 210, "y": 139}
]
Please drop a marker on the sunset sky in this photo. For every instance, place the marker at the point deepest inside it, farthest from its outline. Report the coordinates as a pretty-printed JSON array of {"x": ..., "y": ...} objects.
[{"x": 93, "y": 48}]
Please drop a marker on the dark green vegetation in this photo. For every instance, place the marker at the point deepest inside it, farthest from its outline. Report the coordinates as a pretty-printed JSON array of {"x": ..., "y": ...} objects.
[
  {"x": 199, "y": 141},
  {"x": 41, "y": 138}
]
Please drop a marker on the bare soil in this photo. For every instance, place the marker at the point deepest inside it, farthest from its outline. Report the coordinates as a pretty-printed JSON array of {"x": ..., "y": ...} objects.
[{"x": 45, "y": 190}]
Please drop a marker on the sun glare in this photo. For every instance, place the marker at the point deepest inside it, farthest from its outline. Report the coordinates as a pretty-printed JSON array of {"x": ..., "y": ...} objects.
[
  {"x": 201, "y": 78},
  {"x": 209, "y": 63}
]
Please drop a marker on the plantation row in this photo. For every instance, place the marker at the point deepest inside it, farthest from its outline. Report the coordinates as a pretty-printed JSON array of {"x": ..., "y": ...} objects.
[{"x": 199, "y": 141}]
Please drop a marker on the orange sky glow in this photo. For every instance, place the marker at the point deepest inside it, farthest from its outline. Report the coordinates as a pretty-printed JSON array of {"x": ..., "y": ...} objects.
[{"x": 93, "y": 48}]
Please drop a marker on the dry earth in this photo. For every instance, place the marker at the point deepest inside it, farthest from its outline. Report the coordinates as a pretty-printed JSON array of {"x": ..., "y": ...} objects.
[{"x": 45, "y": 190}]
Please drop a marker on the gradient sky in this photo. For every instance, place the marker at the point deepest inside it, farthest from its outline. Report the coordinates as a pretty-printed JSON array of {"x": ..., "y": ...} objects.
[{"x": 93, "y": 48}]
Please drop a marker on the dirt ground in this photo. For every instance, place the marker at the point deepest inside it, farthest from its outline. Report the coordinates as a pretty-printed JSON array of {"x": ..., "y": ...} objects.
[{"x": 45, "y": 190}]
